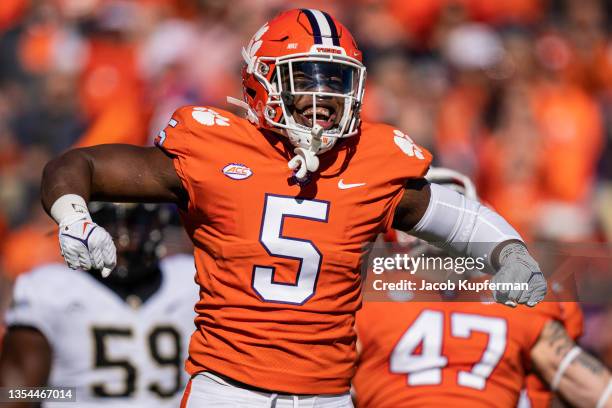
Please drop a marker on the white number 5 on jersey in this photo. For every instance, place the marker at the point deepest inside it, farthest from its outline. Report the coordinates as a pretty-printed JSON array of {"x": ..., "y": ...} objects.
[{"x": 271, "y": 237}]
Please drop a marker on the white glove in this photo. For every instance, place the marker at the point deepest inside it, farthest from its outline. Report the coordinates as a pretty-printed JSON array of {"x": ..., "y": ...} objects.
[
  {"x": 83, "y": 243},
  {"x": 517, "y": 266}
]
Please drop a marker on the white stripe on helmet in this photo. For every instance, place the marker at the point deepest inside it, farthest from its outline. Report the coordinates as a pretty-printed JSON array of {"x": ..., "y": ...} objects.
[{"x": 324, "y": 27}]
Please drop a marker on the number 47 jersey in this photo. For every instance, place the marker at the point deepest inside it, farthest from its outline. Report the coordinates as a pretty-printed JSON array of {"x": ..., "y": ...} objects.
[
  {"x": 278, "y": 264},
  {"x": 112, "y": 353},
  {"x": 456, "y": 354}
]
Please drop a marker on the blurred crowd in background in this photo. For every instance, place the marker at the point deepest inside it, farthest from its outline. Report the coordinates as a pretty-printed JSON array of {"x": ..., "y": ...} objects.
[{"x": 515, "y": 93}]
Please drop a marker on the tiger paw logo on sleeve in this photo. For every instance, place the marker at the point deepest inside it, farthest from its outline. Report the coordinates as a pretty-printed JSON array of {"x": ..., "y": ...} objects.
[
  {"x": 209, "y": 117},
  {"x": 404, "y": 142}
]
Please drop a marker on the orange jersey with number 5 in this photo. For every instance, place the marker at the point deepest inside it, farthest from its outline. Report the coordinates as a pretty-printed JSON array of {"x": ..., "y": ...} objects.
[
  {"x": 434, "y": 354},
  {"x": 278, "y": 263}
]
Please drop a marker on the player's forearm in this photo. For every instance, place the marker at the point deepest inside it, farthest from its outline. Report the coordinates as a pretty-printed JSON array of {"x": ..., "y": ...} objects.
[
  {"x": 463, "y": 226},
  {"x": 460, "y": 225},
  {"x": 584, "y": 382},
  {"x": 113, "y": 172},
  {"x": 579, "y": 377}
]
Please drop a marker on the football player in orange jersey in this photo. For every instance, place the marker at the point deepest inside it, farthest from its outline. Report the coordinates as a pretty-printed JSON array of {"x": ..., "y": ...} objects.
[
  {"x": 472, "y": 354},
  {"x": 279, "y": 205}
]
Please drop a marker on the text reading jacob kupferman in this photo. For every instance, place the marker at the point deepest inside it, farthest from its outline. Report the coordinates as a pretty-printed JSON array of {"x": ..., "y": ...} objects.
[
  {"x": 459, "y": 265},
  {"x": 461, "y": 285}
]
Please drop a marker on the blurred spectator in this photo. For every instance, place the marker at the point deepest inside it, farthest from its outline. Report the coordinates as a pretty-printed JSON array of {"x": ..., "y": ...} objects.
[
  {"x": 571, "y": 129},
  {"x": 470, "y": 51},
  {"x": 510, "y": 159}
]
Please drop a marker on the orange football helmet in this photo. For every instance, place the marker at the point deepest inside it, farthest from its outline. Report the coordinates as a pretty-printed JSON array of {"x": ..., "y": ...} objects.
[{"x": 304, "y": 77}]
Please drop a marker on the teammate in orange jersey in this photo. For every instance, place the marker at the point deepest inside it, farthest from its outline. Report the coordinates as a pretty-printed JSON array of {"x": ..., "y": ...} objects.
[
  {"x": 473, "y": 354},
  {"x": 279, "y": 206}
]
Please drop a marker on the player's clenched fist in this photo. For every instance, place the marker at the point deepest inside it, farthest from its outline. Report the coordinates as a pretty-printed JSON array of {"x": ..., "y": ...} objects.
[
  {"x": 517, "y": 266},
  {"x": 83, "y": 243},
  {"x": 86, "y": 245}
]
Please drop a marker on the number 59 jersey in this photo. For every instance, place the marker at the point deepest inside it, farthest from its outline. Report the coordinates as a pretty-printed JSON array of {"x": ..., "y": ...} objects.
[
  {"x": 114, "y": 354},
  {"x": 278, "y": 263}
]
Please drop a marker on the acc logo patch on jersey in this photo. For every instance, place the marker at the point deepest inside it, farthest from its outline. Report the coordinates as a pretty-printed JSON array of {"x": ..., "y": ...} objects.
[
  {"x": 209, "y": 117},
  {"x": 237, "y": 171},
  {"x": 407, "y": 145}
]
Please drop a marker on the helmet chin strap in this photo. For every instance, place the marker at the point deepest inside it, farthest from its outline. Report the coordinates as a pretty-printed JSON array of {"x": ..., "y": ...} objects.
[{"x": 306, "y": 159}]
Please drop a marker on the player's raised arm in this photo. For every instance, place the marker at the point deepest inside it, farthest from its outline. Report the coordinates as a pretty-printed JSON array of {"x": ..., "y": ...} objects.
[
  {"x": 462, "y": 225},
  {"x": 108, "y": 173},
  {"x": 579, "y": 377},
  {"x": 114, "y": 172},
  {"x": 25, "y": 362}
]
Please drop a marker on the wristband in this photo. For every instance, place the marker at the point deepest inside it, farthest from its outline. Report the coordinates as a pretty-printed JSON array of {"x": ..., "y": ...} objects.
[
  {"x": 567, "y": 360},
  {"x": 69, "y": 207},
  {"x": 604, "y": 396}
]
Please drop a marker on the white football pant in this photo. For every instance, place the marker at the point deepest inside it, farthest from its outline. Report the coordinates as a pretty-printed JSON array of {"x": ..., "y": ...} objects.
[{"x": 207, "y": 390}]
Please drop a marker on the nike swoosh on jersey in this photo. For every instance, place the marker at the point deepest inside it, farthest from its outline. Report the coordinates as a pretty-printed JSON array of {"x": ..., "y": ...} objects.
[{"x": 343, "y": 186}]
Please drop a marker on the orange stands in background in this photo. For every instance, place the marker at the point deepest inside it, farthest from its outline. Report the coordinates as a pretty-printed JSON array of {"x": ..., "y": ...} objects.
[
  {"x": 420, "y": 17},
  {"x": 460, "y": 116},
  {"x": 111, "y": 95},
  {"x": 110, "y": 75},
  {"x": 500, "y": 184},
  {"x": 124, "y": 121},
  {"x": 11, "y": 12},
  {"x": 29, "y": 246},
  {"x": 503, "y": 11},
  {"x": 570, "y": 125},
  {"x": 36, "y": 47}
]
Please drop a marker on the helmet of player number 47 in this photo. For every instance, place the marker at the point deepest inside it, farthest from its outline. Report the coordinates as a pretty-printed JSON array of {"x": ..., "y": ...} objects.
[{"x": 304, "y": 78}]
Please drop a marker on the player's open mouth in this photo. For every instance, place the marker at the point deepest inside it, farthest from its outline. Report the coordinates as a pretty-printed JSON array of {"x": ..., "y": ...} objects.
[{"x": 326, "y": 116}]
